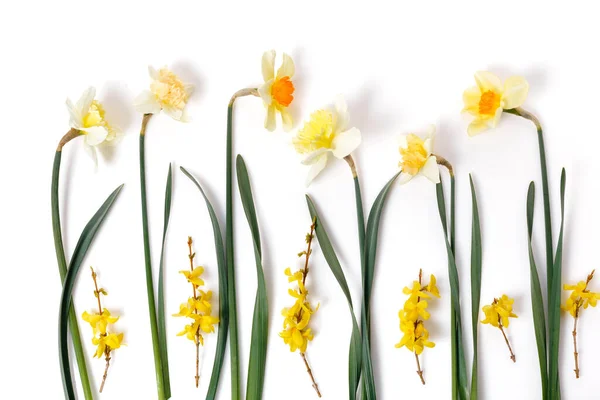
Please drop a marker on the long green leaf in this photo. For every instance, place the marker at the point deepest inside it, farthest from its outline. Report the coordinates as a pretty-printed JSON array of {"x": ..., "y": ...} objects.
[
  {"x": 62, "y": 270},
  {"x": 156, "y": 348},
  {"x": 260, "y": 320},
  {"x": 554, "y": 300},
  {"x": 83, "y": 244},
  {"x": 476, "y": 265},
  {"x": 354, "y": 356},
  {"x": 162, "y": 325},
  {"x": 459, "y": 368},
  {"x": 223, "y": 304}
]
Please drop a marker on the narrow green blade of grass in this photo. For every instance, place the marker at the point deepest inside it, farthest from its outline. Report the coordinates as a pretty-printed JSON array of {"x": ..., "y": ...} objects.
[
  {"x": 83, "y": 244},
  {"x": 554, "y": 300},
  {"x": 158, "y": 369},
  {"x": 62, "y": 270},
  {"x": 537, "y": 302},
  {"x": 459, "y": 373},
  {"x": 162, "y": 325},
  {"x": 354, "y": 356},
  {"x": 476, "y": 265},
  {"x": 260, "y": 319},
  {"x": 223, "y": 303}
]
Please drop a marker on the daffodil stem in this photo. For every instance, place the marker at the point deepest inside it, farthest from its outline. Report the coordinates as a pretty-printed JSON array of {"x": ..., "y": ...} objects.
[
  {"x": 229, "y": 247},
  {"x": 105, "y": 371},
  {"x": 512, "y": 355},
  {"x": 312, "y": 378},
  {"x": 419, "y": 370},
  {"x": 148, "y": 266},
  {"x": 575, "y": 353},
  {"x": 62, "y": 264}
]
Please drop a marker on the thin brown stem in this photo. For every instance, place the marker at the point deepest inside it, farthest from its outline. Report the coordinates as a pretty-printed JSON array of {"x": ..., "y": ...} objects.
[
  {"x": 419, "y": 370},
  {"x": 312, "y": 378},
  {"x": 70, "y": 135},
  {"x": 97, "y": 291},
  {"x": 242, "y": 93},
  {"x": 308, "y": 249},
  {"x": 575, "y": 353},
  {"x": 191, "y": 256},
  {"x": 107, "y": 353},
  {"x": 351, "y": 164},
  {"x": 197, "y": 361},
  {"x": 443, "y": 162},
  {"x": 145, "y": 120},
  {"x": 512, "y": 355}
]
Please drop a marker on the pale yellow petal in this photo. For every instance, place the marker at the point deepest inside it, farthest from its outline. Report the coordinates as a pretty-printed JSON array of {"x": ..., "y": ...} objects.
[
  {"x": 515, "y": 92},
  {"x": 488, "y": 81},
  {"x": 268, "y": 65}
]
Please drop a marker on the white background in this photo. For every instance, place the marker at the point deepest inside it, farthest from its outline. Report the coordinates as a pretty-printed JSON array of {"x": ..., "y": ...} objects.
[{"x": 400, "y": 68}]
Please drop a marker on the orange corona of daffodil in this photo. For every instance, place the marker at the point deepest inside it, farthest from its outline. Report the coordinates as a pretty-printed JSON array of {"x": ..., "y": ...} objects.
[
  {"x": 580, "y": 298},
  {"x": 490, "y": 97},
  {"x": 278, "y": 89},
  {"x": 497, "y": 314},
  {"x": 412, "y": 316}
]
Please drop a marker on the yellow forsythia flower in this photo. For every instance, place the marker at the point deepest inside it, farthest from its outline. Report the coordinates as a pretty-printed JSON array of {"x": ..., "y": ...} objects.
[
  {"x": 277, "y": 91},
  {"x": 580, "y": 297},
  {"x": 490, "y": 98},
  {"x": 99, "y": 322},
  {"x": 167, "y": 92},
  {"x": 498, "y": 313},
  {"x": 193, "y": 277}
]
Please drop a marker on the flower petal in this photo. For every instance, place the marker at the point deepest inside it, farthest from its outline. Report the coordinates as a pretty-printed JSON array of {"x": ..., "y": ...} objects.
[
  {"x": 153, "y": 72},
  {"x": 91, "y": 151},
  {"x": 346, "y": 142},
  {"x": 429, "y": 139},
  {"x": 287, "y": 67},
  {"x": 476, "y": 127},
  {"x": 405, "y": 178},
  {"x": 316, "y": 168},
  {"x": 270, "y": 123},
  {"x": 341, "y": 114},
  {"x": 471, "y": 98},
  {"x": 430, "y": 170},
  {"x": 147, "y": 103},
  {"x": 488, "y": 81},
  {"x": 75, "y": 120},
  {"x": 85, "y": 101},
  {"x": 175, "y": 113},
  {"x": 515, "y": 92},
  {"x": 286, "y": 119},
  {"x": 264, "y": 91},
  {"x": 95, "y": 135},
  {"x": 268, "y": 65},
  {"x": 314, "y": 156}
]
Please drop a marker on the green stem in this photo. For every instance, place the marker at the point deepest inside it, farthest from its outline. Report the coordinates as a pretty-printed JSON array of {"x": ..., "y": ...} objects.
[
  {"x": 148, "y": 264},
  {"x": 62, "y": 268},
  {"x": 229, "y": 249}
]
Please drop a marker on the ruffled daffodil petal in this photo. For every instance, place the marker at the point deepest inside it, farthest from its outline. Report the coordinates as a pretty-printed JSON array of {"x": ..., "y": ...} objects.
[
  {"x": 486, "y": 101},
  {"x": 167, "y": 93},
  {"x": 416, "y": 157}
]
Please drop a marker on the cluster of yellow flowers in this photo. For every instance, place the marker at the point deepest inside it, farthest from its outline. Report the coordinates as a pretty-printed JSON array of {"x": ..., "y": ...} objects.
[
  {"x": 413, "y": 315},
  {"x": 497, "y": 314},
  {"x": 198, "y": 308},
  {"x": 105, "y": 341},
  {"x": 580, "y": 297}
]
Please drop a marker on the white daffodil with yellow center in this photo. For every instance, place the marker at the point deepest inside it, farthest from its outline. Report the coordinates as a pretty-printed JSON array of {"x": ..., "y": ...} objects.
[
  {"x": 490, "y": 98},
  {"x": 167, "y": 92},
  {"x": 416, "y": 157},
  {"x": 277, "y": 90},
  {"x": 326, "y": 133},
  {"x": 88, "y": 117}
]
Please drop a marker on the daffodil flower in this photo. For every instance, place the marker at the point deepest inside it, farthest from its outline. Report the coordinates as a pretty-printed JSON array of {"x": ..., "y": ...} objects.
[
  {"x": 88, "y": 117},
  {"x": 278, "y": 89},
  {"x": 326, "y": 133},
  {"x": 416, "y": 157},
  {"x": 486, "y": 101},
  {"x": 167, "y": 93}
]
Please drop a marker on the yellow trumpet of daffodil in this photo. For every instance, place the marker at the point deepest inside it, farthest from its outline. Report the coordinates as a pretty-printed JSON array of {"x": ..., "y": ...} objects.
[
  {"x": 580, "y": 298},
  {"x": 490, "y": 97},
  {"x": 277, "y": 90},
  {"x": 412, "y": 316},
  {"x": 497, "y": 314}
]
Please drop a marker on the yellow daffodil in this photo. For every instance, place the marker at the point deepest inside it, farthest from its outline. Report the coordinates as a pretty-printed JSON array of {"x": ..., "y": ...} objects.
[
  {"x": 88, "y": 116},
  {"x": 167, "y": 92},
  {"x": 278, "y": 89},
  {"x": 111, "y": 341},
  {"x": 416, "y": 157},
  {"x": 326, "y": 132},
  {"x": 99, "y": 322},
  {"x": 193, "y": 277},
  {"x": 499, "y": 312},
  {"x": 490, "y": 98}
]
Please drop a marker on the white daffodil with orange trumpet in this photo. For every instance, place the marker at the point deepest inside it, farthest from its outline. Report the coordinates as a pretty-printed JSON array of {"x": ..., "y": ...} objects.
[{"x": 278, "y": 89}]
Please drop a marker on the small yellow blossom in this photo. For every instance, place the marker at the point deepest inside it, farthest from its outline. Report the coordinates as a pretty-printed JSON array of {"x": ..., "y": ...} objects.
[
  {"x": 89, "y": 117},
  {"x": 110, "y": 341},
  {"x": 416, "y": 157},
  {"x": 498, "y": 313},
  {"x": 278, "y": 89},
  {"x": 326, "y": 133},
  {"x": 167, "y": 92},
  {"x": 99, "y": 322},
  {"x": 490, "y": 98},
  {"x": 193, "y": 276}
]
